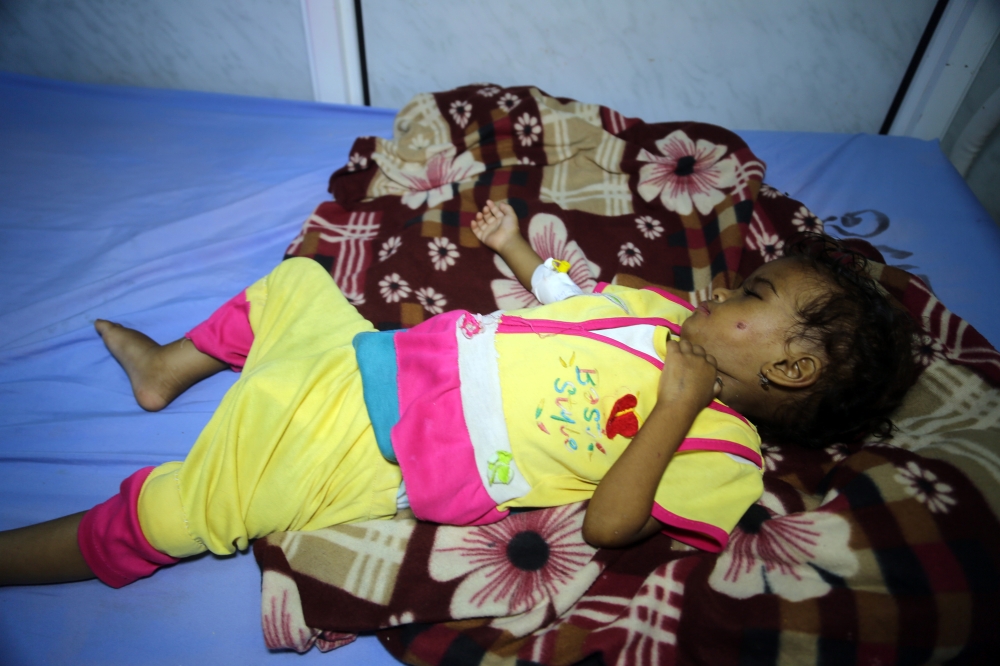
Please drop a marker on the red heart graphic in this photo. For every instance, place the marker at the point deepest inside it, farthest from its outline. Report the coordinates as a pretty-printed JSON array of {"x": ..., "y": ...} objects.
[{"x": 623, "y": 420}]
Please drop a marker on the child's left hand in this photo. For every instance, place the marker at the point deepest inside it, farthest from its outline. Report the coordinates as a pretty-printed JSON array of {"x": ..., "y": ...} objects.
[
  {"x": 689, "y": 374},
  {"x": 496, "y": 226}
]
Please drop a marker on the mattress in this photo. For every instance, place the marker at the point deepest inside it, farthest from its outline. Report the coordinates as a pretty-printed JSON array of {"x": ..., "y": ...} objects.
[{"x": 151, "y": 207}]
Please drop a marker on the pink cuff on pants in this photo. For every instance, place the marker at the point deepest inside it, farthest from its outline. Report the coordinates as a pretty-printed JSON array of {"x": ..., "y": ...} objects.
[
  {"x": 111, "y": 539},
  {"x": 226, "y": 335}
]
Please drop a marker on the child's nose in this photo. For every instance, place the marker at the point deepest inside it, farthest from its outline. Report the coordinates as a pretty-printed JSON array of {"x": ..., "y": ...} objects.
[{"x": 721, "y": 294}]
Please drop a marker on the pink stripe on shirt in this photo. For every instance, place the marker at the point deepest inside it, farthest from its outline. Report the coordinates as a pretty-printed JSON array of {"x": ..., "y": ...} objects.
[
  {"x": 692, "y": 532},
  {"x": 723, "y": 446},
  {"x": 670, "y": 297},
  {"x": 512, "y": 324},
  {"x": 719, "y": 407}
]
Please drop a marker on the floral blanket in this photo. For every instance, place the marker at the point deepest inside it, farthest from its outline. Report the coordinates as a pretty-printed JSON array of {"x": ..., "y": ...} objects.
[
  {"x": 864, "y": 553},
  {"x": 587, "y": 183}
]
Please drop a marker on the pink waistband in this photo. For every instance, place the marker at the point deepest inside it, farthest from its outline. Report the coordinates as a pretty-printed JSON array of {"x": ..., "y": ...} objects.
[{"x": 442, "y": 481}]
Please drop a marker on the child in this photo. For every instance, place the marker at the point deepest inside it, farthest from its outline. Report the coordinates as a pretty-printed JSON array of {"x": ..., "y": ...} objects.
[{"x": 626, "y": 397}]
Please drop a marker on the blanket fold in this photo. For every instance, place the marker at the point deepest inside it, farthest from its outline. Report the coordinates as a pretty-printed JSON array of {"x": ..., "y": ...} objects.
[{"x": 860, "y": 553}]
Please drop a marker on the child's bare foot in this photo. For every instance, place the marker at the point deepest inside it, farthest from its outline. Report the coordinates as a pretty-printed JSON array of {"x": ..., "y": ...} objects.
[
  {"x": 496, "y": 225},
  {"x": 159, "y": 373}
]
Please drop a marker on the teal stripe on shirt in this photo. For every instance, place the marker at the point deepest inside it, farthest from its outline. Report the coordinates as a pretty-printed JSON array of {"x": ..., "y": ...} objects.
[{"x": 376, "y": 354}]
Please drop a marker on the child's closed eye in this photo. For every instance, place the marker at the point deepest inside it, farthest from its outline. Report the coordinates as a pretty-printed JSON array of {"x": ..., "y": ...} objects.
[{"x": 749, "y": 292}]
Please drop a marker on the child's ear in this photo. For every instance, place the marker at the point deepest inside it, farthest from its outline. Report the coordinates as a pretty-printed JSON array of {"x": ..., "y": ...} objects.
[{"x": 796, "y": 372}]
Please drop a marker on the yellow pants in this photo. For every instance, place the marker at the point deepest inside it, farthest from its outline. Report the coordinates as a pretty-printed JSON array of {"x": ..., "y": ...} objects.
[{"x": 290, "y": 446}]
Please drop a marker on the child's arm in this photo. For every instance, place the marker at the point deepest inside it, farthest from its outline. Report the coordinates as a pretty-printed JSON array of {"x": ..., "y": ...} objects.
[
  {"x": 619, "y": 512},
  {"x": 496, "y": 228}
]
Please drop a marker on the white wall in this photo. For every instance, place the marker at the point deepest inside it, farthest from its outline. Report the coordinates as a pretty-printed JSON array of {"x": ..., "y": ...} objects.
[
  {"x": 954, "y": 55},
  {"x": 984, "y": 176},
  {"x": 983, "y": 172},
  {"x": 818, "y": 65},
  {"x": 248, "y": 47}
]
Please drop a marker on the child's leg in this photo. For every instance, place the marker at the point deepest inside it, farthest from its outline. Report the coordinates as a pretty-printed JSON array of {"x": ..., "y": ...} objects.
[
  {"x": 159, "y": 373},
  {"x": 50, "y": 552},
  {"x": 106, "y": 542},
  {"x": 290, "y": 446},
  {"x": 43, "y": 553}
]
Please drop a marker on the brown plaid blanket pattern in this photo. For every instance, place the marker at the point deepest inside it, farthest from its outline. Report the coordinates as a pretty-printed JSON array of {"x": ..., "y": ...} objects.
[
  {"x": 863, "y": 553},
  {"x": 589, "y": 185}
]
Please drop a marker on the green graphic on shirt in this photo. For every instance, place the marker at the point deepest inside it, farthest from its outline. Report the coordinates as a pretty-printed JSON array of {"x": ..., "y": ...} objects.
[{"x": 499, "y": 467}]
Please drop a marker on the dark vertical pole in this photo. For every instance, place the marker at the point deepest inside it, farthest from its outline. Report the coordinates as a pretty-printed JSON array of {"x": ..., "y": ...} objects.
[
  {"x": 361, "y": 52},
  {"x": 918, "y": 55}
]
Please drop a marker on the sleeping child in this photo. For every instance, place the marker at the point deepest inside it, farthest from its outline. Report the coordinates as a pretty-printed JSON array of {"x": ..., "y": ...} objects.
[{"x": 630, "y": 398}]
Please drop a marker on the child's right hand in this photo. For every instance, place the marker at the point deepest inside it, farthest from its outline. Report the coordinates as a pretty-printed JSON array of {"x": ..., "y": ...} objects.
[
  {"x": 619, "y": 511},
  {"x": 496, "y": 226},
  {"x": 689, "y": 375}
]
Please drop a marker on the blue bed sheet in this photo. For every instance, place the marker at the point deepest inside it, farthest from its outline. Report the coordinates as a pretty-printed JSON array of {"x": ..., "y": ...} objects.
[
  {"x": 152, "y": 207},
  {"x": 903, "y": 196},
  {"x": 147, "y": 207}
]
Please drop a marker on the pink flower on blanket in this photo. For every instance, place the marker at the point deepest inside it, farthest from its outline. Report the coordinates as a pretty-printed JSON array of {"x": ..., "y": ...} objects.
[
  {"x": 838, "y": 452},
  {"x": 430, "y": 182},
  {"x": 394, "y": 288},
  {"x": 443, "y": 253},
  {"x": 763, "y": 238},
  {"x": 630, "y": 255},
  {"x": 924, "y": 485},
  {"x": 771, "y": 246},
  {"x": 432, "y": 301},
  {"x": 687, "y": 175},
  {"x": 547, "y": 236},
  {"x": 927, "y": 349},
  {"x": 508, "y": 101},
  {"x": 769, "y": 192},
  {"x": 283, "y": 622},
  {"x": 649, "y": 227},
  {"x": 518, "y": 569},
  {"x": 460, "y": 111},
  {"x": 784, "y": 554},
  {"x": 527, "y": 129},
  {"x": 806, "y": 222},
  {"x": 772, "y": 456},
  {"x": 357, "y": 162},
  {"x": 390, "y": 247}
]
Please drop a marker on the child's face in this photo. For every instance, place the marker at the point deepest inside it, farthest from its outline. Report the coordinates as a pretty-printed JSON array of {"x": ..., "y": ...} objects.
[{"x": 747, "y": 331}]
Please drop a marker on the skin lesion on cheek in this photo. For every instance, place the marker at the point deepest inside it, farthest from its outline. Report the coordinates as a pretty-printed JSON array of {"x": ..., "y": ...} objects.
[{"x": 741, "y": 325}]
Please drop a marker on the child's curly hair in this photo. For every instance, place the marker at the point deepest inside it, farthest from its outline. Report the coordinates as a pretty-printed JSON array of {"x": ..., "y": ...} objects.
[{"x": 868, "y": 343}]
